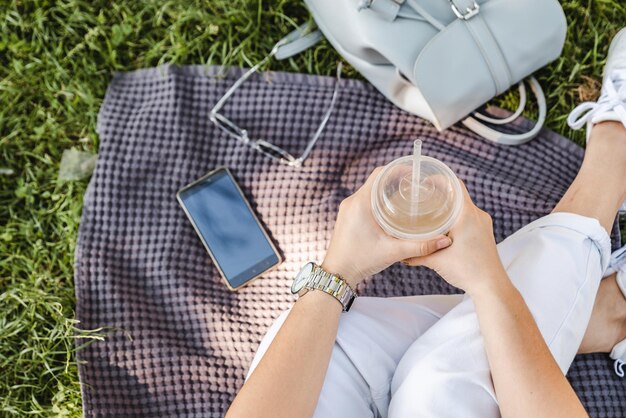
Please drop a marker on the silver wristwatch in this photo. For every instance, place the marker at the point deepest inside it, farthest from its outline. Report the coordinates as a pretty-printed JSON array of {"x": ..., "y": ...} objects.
[{"x": 313, "y": 276}]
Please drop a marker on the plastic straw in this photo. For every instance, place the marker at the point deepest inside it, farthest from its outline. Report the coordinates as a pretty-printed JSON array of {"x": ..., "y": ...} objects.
[{"x": 415, "y": 183}]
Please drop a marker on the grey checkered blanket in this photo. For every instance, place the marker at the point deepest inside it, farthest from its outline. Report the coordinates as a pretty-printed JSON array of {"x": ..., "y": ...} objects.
[{"x": 181, "y": 343}]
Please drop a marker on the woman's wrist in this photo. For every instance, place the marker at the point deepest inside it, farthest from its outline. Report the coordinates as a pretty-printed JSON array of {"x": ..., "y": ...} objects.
[
  {"x": 342, "y": 269},
  {"x": 494, "y": 282}
]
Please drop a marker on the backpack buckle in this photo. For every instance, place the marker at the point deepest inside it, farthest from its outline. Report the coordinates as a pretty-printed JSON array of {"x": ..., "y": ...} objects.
[{"x": 470, "y": 12}]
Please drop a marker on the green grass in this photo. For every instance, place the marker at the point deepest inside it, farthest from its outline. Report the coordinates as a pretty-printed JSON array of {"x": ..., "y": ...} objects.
[{"x": 56, "y": 58}]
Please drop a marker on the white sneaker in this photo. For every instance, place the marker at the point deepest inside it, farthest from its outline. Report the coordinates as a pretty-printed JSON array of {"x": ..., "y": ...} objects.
[
  {"x": 618, "y": 264},
  {"x": 611, "y": 106},
  {"x": 612, "y": 102}
]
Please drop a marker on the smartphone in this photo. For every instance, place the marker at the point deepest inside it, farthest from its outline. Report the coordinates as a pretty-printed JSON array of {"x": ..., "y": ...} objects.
[{"x": 227, "y": 226}]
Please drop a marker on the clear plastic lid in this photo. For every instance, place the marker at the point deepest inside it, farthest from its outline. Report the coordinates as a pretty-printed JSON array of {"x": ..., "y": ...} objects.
[{"x": 405, "y": 214}]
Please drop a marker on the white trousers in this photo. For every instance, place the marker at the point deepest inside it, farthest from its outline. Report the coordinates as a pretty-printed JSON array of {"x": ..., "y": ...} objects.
[{"x": 423, "y": 356}]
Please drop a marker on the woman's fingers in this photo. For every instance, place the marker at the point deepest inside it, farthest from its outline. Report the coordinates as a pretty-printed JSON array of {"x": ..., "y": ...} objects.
[
  {"x": 423, "y": 249},
  {"x": 414, "y": 261},
  {"x": 415, "y": 249}
]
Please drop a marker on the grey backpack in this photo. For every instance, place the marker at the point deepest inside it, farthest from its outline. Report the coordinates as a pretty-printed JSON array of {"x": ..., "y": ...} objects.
[{"x": 443, "y": 59}]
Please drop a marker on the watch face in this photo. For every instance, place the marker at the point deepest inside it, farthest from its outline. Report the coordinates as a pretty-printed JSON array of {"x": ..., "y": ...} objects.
[{"x": 302, "y": 278}]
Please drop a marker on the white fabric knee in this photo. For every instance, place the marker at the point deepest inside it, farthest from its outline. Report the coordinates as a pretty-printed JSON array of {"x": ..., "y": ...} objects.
[
  {"x": 371, "y": 339},
  {"x": 556, "y": 263}
]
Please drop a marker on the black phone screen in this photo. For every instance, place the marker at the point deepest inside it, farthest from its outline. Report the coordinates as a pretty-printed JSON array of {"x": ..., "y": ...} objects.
[{"x": 228, "y": 228}]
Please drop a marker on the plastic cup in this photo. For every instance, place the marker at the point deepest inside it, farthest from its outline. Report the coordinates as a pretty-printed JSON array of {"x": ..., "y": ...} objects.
[{"x": 405, "y": 213}]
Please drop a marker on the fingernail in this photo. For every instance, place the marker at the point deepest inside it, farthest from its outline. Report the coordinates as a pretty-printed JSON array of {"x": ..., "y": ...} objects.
[{"x": 443, "y": 243}]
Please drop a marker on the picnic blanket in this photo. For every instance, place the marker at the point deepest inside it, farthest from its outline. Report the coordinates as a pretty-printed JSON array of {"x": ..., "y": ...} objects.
[{"x": 179, "y": 343}]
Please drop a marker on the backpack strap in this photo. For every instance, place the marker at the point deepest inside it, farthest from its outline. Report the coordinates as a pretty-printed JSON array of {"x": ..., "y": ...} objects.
[
  {"x": 513, "y": 139},
  {"x": 302, "y": 38},
  {"x": 387, "y": 9},
  {"x": 518, "y": 112},
  {"x": 414, "y": 4}
]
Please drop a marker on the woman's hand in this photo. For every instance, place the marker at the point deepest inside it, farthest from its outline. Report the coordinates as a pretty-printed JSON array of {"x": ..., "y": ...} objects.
[
  {"x": 360, "y": 248},
  {"x": 472, "y": 262}
]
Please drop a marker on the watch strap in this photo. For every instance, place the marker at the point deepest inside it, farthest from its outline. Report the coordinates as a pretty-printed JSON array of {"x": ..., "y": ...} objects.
[{"x": 333, "y": 285}]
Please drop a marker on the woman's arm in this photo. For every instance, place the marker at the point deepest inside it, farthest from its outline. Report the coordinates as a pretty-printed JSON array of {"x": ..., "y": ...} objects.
[
  {"x": 527, "y": 379},
  {"x": 288, "y": 379}
]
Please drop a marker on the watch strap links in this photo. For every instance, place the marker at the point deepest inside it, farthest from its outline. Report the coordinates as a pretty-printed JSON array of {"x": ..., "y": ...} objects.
[{"x": 333, "y": 285}]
